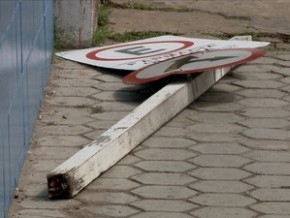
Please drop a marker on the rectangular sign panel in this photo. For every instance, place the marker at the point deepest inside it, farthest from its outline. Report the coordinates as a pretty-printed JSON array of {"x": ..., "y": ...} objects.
[{"x": 139, "y": 54}]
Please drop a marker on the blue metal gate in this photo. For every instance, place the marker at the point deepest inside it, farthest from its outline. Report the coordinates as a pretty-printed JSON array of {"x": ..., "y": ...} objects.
[{"x": 26, "y": 37}]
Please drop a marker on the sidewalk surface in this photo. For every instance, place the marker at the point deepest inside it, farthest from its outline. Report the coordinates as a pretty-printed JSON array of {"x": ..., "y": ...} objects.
[{"x": 225, "y": 156}]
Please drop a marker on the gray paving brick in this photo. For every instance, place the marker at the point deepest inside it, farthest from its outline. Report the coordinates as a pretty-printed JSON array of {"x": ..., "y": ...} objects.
[
  {"x": 219, "y": 173},
  {"x": 163, "y": 178},
  {"x": 219, "y": 97},
  {"x": 121, "y": 172},
  {"x": 275, "y": 216},
  {"x": 106, "y": 197},
  {"x": 101, "y": 124},
  {"x": 64, "y": 141},
  {"x": 261, "y": 93},
  {"x": 215, "y": 128},
  {"x": 263, "y": 102},
  {"x": 265, "y": 113},
  {"x": 223, "y": 212},
  {"x": 279, "y": 208},
  {"x": 220, "y": 161},
  {"x": 63, "y": 130},
  {"x": 165, "y": 154},
  {"x": 110, "y": 115},
  {"x": 121, "y": 96},
  {"x": 214, "y": 137},
  {"x": 259, "y": 84},
  {"x": 109, "y": 78},
  {"x": 112, "y": 184},
  {"x": 219, "y": 148},
  {"x": 272, "y": 181},
  {"x": 164, "y": 192},
  {"x": 269, "y": 168},
  {"x": 165, "y": 166},
  {"x": 75, "y": 92},
  {"x": 219, "y": 107},
  {"x": 75, "y": 82},
  {"x": 265, "y": 144},
  {"x": 164, "y": 205},
  {"x": 271, "y": 123},
  {"x": 219, "y": 186},
  {"x": 112, "y": 210},
  {"x": 54, "y": 153},
  {"x": 44, "y": 204},
  {"x": 282, "y": 71},
  {"x": 223, "y": 200},
  {"x": 272, "y": 194},
  {"x": 165, "y": 142},
  {"x": 42, "y": 213},
  {"x": 217, "y": 117},
  {"x": 129, "y": 159},
  {"x": 269, "y": 156},
  {"x": 225, "y": 87},
  {"x": 46, "y": 165},
  {"x": 118, "y": 106},
  {"x": 71, "y": 101},
  {"x": 272, "y": 134},
  {"x": 172, "y": 131},
  {"x": 161, "y": 215},
  {"x": 261, "y": 74}
]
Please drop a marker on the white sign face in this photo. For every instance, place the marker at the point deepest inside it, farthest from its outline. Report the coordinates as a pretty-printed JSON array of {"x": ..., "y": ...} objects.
[
  {"x": 142, "y": 53},
  {"x": 193, "y": 63}
]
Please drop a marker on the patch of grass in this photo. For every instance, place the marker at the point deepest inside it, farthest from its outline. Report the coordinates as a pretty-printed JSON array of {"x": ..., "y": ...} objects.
[
  {"x": 100, "y": 35},
  {"x": 61, "y": 40},
  {"x": 104, "y": 13},
  {"x": 136, "y": 35},
  {"x": 97, "y": 109},
  {"x": 131, "y": 4}
]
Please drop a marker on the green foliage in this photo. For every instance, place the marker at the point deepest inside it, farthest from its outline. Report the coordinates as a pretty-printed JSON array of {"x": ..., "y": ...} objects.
[
  {"x": 103, "y": 15},
  {"x": 131, "y": 4},
  {"x": 61, "y": 40},
  {"x": 97, "y": 109},
  {"x": 136, "y": 35},
  {"x": 101, "y": 34}
]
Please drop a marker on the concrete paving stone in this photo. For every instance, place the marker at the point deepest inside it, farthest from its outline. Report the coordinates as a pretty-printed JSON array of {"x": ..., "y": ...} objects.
[
  {"x": 37, "y": 177},
  {"x": 269, "y": 181},
  {"x": 219, "y": 148},
  {"x": 216, "y": 107},
  {"x": 279, "y": 208},
  {"x": 265, "y": 144},
  {"x": 217, "y": 96},
  {"x": 224, "y": 212},
  {"x": 272, "y": 134},
  {"x": 75, "y": 82},
  {"x": 129, "y": 159},
  {"x": 286, "y": 99},
  {"x": 270, "y": 123},
  {"x": 119, "y": 106},
  {"x": 74, "y": 92},
  {"x": 94, "y": 134},
  {"x": 165, "y": 142},
  {"x": 282, "y": 71},
  {"x": 262, "y": 74},
  {"x": 45, "y": 203},
  {"x": 269, "y": 168},
  {"x": 165, "y": 166},
  {"x": 171, "y": 131},
  {"x": 102, "y": 124},
  {"x": 221, "y": 186},
  {"x": 216, "y": 117},
  {"x": 67, "y": 116},
  {"x": 272, "y": 194},
  {"x": 263, "y": 102},
  {"x": 117, "y": 86},
  {"x": 35, "y": 190},
  {"x": 112, "y": 184},
  {"x": 71, "y": 101},
  {"x": 283, "y": 63},
  {"x": 109, "y": 77},
  {"x": 42, "y": 213},
  {"x": 110, "y": 115},
  {"x": 265, "y": 113},
  {"x": 54, "y": 153},
  {"x": 162, "y": 178},
  {"x": 164, "y": 192},
  {"x": 264, "y": 60},
  {"x": 269, "y": 156},
  {"x": 222, "y": 200},
  {"x": 46, "y": 165},
  {"x": 220, "y": 161},
  {"x": 98, "y": 197},
  {"x": 261, "y": 93},
  {"x": 164, "y": 205},
  {"x": 112, "y": 210},
  {"x": 259, "y": 84},
  {"x": 283, "y": 56},
  {"x": 118, "y": 96},
  {"x": 225, "y": 87},
  {"x": 214, "y": 137},
  {"x": 219, "y": 173},
  {"x": 62, "y": 141},
  {"x": 255, "y": 69},
  {"x": 165, "y": 154},
  {"x": 274, "y": 216},
  {"x": 120, "y": 172},
  {"x": 161, "y": 215},
  {"x": 63, "y": 130},
  {"x": 215, "y": 128}
]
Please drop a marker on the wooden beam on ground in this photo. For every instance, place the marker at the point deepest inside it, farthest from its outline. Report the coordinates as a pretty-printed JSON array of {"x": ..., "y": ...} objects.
[{"x": 86, "y": 165}]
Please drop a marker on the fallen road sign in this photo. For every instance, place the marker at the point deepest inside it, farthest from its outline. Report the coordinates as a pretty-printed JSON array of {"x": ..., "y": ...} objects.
[
  {"x": 193, "y": 63},
  {"x": 138, "y": 54}
]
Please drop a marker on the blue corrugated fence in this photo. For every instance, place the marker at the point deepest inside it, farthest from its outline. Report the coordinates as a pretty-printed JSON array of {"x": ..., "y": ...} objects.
[{"x": 26, "y": 39}]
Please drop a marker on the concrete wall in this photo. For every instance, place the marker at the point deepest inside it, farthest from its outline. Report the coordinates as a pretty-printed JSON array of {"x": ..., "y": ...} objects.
[
  {"x": 77, "y": 19},
  {"x": 26, "y": 40}
]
